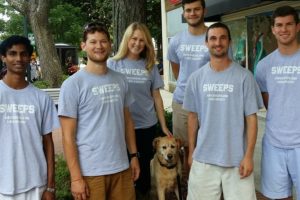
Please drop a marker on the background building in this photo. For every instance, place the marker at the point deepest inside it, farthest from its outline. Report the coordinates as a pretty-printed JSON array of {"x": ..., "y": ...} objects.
[{"x": 249, "y": 22}]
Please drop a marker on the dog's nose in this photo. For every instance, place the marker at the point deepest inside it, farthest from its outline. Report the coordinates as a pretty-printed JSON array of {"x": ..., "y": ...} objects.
[{"x": 170, "y": 156}]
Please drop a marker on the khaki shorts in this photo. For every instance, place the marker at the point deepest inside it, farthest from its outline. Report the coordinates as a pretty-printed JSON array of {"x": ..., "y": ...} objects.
[
  {"x": 179, "y": 120},
  {"x": 33, "y": 194},
  {"x": 208, "y": 181},
  {"x": 113, "y": 187}
]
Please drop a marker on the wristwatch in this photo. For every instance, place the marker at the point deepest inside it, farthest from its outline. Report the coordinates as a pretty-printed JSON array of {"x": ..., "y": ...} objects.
[
  {"x": 52, "y": 190},
  {"x": 132, "y": 155}
]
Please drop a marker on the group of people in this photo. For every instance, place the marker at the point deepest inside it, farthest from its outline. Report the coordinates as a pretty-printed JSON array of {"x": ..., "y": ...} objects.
[
  {"x": 215, "y": 104},
  {"x": 108, "y": 113}
]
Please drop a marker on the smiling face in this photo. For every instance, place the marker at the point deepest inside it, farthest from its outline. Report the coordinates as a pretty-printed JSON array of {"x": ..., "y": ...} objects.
[
  {"x": 193, "y": 13},
  {"x": 97, "y": 46},
  {"x": 218, "y": 42},
  {"x": 136, "y": 44},
  {"x": 16, "y": 59},
  {"x": 285, "y": 30}
]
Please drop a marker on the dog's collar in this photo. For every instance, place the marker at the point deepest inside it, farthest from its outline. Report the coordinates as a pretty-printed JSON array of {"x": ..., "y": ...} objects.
[{"x": 167, "y": 166}]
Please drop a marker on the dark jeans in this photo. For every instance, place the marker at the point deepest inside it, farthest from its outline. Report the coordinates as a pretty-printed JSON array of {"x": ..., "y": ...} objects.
[{"x": 144, "y": 139}]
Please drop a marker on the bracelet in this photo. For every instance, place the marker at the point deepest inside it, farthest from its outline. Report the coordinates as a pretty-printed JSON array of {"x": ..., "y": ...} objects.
[
  {"x": 52, "y": 190},
  {"x": 76, "y": 180}
]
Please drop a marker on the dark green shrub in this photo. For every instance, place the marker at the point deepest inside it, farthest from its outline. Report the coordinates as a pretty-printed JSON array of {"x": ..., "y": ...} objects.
[
  {"x": 62, "y": 179},
  {"x": 41, "y": 84},
  {"x": 168, "y": 117}
]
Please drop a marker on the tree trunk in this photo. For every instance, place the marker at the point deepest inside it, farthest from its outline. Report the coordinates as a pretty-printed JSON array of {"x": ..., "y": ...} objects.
[
  {"x": 36, "y": 11},
  {"x": 124, "y": 13}
]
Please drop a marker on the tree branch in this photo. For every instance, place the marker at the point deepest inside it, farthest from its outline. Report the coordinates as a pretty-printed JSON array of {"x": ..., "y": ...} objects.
[{"x": 19, "y": 5}]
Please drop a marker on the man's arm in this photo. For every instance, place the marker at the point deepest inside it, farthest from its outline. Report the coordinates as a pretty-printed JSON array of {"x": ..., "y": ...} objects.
[
  {"x": 49, "y": 155},
  {"x": 175, "y": 69},
  {"x": 265, "y": 96},
  {"x": 193, "y": 127},
  {"x": 159, "y": 107},
  {"x": 247, "y": 165},
  {"x": 78, "y": 186},
  {"x": 131, "y": 143}
]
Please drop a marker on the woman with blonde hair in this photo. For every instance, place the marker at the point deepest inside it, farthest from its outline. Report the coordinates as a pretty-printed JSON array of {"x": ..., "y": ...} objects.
[{"x": 136, "y": 60}]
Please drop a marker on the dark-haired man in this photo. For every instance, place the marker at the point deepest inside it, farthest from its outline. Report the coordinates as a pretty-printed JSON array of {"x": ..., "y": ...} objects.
[
  {"x": 187, "y": 53},
  {"x": 222, "y": 101},
  {"x": 278, "y": 76},
  {"x": 27, "y": 118},
  {"x": 96, "y": 125}
]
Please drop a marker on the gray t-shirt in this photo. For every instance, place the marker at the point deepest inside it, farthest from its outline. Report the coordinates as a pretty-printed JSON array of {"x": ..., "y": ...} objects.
[
  {"x": 25, "y": 116},
  {"x": 279, "y": 75},
  {"x": 221, "y": 101},
  {"x": 141, "y": 84},
  {"x": 191, "y": 53},
  {"x": 98, "y": 102}
]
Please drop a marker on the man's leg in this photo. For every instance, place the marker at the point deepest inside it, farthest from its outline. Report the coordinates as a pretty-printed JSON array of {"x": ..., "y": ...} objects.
[
  {"x": 96, "y": 185},
  {"x": 235, "y": 188},
  {"x": 275, "y": 179},
  {"x": 179, "y": 121},
  {"x": 204, "y": 182},
  {"x": 121, "y": 186}
]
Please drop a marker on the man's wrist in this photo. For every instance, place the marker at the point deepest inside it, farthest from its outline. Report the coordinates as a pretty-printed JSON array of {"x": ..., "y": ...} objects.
[
  {"x": 50, "y": 189},
  {"x": 134, "y": 155}
]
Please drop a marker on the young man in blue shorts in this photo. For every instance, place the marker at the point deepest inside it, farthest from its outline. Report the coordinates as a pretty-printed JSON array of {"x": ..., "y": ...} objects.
[{"x": 278, "y": 76}]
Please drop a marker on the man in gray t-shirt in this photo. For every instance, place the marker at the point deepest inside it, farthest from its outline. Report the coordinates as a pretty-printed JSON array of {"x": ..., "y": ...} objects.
[
  {"x": 27, "y": 118},
  {"x": 222, "y": 101},
  {"x": 187, "y": 52},
  {"x": 97, "y": 126},
  {"x": 278, "y": 76}
]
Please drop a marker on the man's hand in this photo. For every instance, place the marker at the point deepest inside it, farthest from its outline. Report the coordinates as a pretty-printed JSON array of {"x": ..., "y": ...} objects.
[
  {"x": 48, "y": 195},
  {"x": 135, "y": 168},
  {"x": 80, "y": 190},
  {"x": 246, "y": 167}
]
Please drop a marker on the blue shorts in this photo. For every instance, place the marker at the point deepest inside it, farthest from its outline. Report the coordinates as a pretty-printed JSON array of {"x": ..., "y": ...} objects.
[{"x": 280, "y": 170}]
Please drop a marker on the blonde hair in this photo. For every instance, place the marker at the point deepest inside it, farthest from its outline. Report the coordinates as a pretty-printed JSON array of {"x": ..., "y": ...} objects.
[{"x": 148, "y": 53}]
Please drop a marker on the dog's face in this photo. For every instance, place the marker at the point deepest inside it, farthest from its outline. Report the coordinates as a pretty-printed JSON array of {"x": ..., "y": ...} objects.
[{"x": 167, "y": 149}]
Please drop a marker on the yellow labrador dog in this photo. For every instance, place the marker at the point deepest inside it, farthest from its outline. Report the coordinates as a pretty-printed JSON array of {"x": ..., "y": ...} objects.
[{"x": 165, "y": 167}]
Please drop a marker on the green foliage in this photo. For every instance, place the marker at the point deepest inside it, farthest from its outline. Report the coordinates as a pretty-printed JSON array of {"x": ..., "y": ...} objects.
[
  {"x": 66, "y": 22},
  {"x": 62, "y": 179},
  {"x": 41, "y": 84},
  {"x": 15, "y": 23},
  {"x": 168, "y": 117}
]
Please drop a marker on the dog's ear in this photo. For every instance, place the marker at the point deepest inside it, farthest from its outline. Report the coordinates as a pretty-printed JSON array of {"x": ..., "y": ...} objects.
[
  {"x": 178, "y": 142},
  {"x": 155, "y": 142}
]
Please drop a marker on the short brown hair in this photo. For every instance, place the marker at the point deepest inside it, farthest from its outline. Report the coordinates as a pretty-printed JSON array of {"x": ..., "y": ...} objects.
[
  {"x": 94, "y": 27},
  {"x": 284, "y": 11},
  {"x": 192, "y": 1}
]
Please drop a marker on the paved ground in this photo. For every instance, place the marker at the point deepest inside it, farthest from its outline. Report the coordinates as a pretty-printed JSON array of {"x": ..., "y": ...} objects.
[{"x": 167, "y": 98}]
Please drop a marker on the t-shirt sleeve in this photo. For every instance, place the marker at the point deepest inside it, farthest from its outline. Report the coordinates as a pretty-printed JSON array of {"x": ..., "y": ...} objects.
[
  {"x": 172, "y": 54},
  {"x": 252, "y": 97},
  {"x": 261, "y": 76},
  {"x": 189, "y": 103},
  {"x": 68, "y": 100},
  {"x": 50, "y": 120},
  {"x": 111, "y": 64},
  {"x": 157, "y": 82}
]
